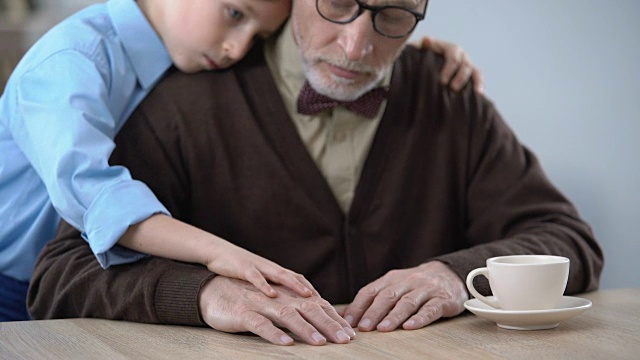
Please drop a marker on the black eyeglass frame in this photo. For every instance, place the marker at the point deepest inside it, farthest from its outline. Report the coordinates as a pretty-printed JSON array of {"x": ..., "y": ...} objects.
[{"x": 374, "y": 12}]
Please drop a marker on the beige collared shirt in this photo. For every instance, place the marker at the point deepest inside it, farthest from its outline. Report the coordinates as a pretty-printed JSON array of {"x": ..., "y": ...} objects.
[{"x": 337, "y": 140}]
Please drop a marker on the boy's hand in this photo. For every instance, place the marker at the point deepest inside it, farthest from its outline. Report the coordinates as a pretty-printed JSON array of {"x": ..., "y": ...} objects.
[
  {"x": 458, "y": 68},
  {"x": 235, "y": 262}
]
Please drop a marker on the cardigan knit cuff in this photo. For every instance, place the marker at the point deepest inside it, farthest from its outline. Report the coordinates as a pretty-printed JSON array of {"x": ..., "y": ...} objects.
[{"x": 176, "y": 297}]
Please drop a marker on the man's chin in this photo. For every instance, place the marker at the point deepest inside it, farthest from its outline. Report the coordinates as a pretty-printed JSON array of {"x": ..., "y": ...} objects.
[{"x": 340, "y": 89}]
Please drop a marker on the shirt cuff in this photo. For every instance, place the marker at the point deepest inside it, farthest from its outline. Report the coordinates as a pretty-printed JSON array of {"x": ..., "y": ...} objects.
[{"x": 117, "y": 207}]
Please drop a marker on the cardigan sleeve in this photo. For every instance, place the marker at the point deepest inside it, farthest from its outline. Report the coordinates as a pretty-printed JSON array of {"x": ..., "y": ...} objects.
[
  {"x": 68, "y": 283},
  {"x": 511, "y": 206}
]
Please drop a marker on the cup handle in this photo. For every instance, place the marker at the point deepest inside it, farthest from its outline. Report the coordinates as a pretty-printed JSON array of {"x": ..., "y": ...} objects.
[{"x": 480, "y": 271}]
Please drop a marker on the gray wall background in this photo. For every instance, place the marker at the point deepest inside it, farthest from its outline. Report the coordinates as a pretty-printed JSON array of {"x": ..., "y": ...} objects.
[{"x": 565, "y": 75}]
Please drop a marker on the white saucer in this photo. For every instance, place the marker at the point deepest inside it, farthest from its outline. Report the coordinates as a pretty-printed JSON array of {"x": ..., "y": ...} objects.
[{"x": 532, "y": 319}]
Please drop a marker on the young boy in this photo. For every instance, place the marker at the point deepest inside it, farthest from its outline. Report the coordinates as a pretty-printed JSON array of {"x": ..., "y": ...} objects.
[{"x": 64, "y": 104}]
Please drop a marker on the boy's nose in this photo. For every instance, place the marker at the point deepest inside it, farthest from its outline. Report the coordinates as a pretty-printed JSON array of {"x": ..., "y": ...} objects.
[{"x": 237, "y": 47}]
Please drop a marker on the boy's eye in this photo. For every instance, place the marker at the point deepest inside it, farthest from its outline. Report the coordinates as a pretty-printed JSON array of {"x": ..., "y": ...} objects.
[{"x": 234, "y": 14}]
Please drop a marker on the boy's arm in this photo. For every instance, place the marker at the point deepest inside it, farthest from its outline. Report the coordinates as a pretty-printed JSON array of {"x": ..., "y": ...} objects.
[
  {"x": 64, "y": 125},
  {"x": 63, "y": 116},
  {"x": 164, "y": 236}
]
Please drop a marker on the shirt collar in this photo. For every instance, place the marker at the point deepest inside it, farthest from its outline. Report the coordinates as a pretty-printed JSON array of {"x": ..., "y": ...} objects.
[
  {"x": 283, "y": 58},
  {"x": 147, "y": 53}
]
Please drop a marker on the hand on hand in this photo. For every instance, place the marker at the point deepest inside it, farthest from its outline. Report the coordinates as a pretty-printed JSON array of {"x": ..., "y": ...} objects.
[
  {"x": 233, "y": 305},
  {"x": 235, "y": 262},
  {"x": 411, "y": 298},
  {"x": 458, "y": 68}
]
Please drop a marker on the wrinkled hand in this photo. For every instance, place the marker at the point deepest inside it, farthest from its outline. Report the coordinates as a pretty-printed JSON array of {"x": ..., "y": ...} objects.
[
  {"x": 233, "y": 305},
  {"x": 411, "y": 298},
  {"x": 458, "y": 68},
  {"x": 233, "y": 261}
]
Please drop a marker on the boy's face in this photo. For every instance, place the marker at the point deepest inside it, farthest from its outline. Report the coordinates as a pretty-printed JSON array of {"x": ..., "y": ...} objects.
[{"x": 214, "y": 34}]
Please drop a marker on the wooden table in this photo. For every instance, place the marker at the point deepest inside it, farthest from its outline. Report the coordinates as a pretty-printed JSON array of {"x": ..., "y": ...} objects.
[{"x": 609, "y": 330}]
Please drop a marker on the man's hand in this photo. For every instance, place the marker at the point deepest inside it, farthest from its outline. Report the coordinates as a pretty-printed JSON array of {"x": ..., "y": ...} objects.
[
  {"x": 412, "y": 298},
  {"x": 457, "y": 69},
  {"x": 233, "y": 305}
]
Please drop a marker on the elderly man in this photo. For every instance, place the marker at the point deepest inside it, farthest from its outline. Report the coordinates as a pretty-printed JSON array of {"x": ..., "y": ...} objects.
[{"x": 337, "y": 153}]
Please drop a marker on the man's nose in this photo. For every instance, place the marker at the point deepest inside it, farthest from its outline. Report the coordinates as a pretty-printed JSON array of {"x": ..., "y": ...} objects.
[{"x": 356, "y": 38}]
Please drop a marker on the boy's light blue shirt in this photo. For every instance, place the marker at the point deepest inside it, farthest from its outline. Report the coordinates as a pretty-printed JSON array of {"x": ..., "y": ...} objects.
[{"x": 59, "y": 113}]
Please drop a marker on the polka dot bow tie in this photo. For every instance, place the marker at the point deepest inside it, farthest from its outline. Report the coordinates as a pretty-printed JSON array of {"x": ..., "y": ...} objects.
[{"x": 367, "y": 105}]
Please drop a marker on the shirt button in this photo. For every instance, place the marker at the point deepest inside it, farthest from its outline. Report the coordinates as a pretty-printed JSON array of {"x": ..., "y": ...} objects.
[{"x": 339, "y": 136}]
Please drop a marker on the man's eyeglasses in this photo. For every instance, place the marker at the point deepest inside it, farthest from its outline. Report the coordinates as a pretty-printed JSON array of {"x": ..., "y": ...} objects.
[{"x": 390, "y": 20}]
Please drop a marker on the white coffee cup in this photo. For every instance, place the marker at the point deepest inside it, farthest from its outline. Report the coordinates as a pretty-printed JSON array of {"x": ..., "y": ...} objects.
[{"x": 523, "y": 282}]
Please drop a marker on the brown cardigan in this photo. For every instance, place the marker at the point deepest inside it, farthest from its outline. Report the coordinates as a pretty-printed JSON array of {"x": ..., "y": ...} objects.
[{"x": 445, "y": 179}]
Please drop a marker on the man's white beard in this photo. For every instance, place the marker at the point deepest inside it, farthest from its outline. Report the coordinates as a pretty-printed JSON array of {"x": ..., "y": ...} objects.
[
  {"x": 333, "y": 86},
  {"x": 336, "y": 87}
]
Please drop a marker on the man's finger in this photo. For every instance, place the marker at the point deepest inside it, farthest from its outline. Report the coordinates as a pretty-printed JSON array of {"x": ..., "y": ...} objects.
[
  {"x": 428, "y": 313},
  {"x": 332, "y": 327},
  {"x": 288, "y": 317},
  {"x": 333, "y": 314},
  {"x": 407, "y": 306},
  {"x": 364, "y": 298},
  {"x": 264, "y": 328},
  {"x": 386, "y": 300}
]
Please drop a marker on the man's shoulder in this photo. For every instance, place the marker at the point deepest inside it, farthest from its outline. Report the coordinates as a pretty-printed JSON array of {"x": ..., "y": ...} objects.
[
  {"x": 176, "y": 84},
  {"x": 417, "y": 86},
  {"x": 416, "y": 75},
  {"x": 208, "y": 93},
  {"x": 416, "y": 62}
]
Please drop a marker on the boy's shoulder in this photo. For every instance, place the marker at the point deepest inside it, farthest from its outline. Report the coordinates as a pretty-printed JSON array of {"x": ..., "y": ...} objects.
[
  {"x": 92, "y": 35},
  {"x": 82, "y": 31}
]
